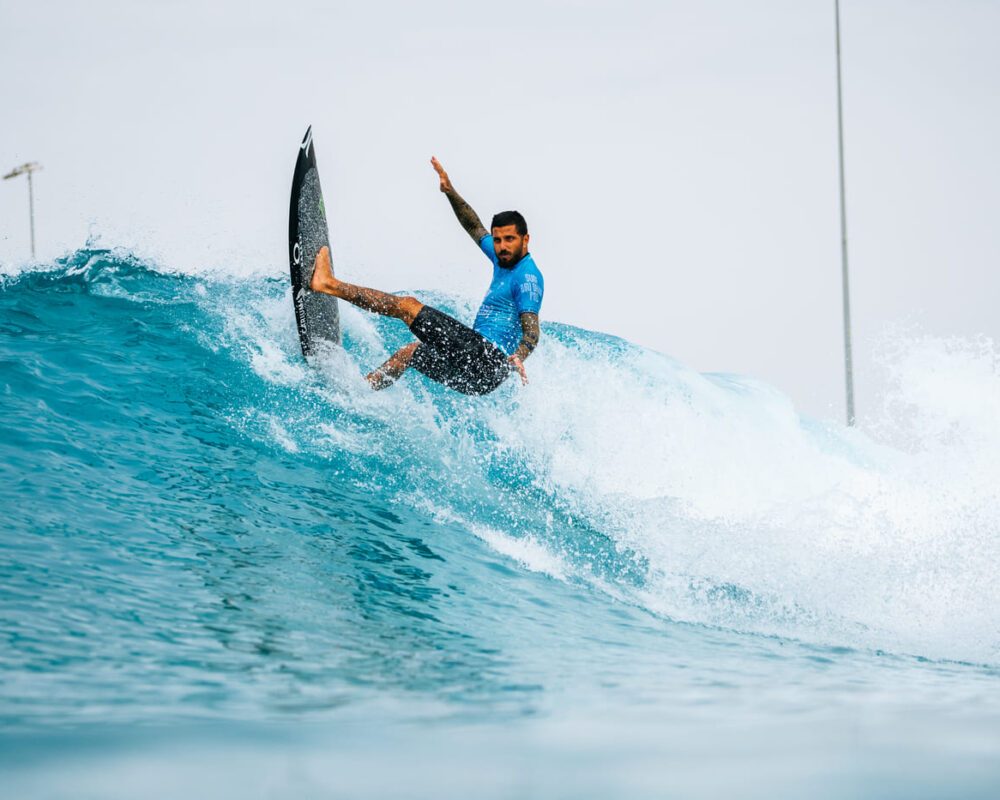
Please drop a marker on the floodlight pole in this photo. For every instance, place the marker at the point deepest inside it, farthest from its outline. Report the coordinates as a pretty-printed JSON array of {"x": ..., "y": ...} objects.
[
  {"x": 848, "y": 360},
  {"x": 28, "y": 168},
  {"x": 31, "y": 212}
]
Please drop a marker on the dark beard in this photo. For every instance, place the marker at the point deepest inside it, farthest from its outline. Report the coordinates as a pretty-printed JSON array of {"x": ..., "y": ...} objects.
[{"x": 510, "y": 260}]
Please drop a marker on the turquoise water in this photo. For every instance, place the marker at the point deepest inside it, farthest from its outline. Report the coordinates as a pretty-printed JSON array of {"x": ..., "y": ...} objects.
[{"x": 228, "y": 574}]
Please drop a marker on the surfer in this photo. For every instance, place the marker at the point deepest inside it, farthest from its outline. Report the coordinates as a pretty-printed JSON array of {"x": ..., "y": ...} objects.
[{"x": 472, "y": 360}]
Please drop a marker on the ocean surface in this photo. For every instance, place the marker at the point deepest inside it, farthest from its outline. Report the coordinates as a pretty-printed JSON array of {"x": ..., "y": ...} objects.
[{"x": 227, "y": 573}]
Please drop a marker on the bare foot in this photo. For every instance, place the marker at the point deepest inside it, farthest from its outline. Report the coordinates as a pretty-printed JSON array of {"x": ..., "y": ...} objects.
[{"x": 322, "y": 279}]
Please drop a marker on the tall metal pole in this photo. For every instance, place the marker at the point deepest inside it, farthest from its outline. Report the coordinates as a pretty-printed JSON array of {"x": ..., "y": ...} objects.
[
  {"x": 21, "y": 170},
  {"x": 848, "y": 359},
  {"x": 31, "y": 213}
]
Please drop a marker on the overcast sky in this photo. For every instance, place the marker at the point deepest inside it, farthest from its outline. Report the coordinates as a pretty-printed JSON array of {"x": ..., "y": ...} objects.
[{"x": 676, "y": 161}]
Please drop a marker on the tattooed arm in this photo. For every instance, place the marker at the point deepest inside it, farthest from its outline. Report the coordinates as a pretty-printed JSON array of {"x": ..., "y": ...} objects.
[
  {"x": 466, "y": 216},
  {"x": 530, "y": 333}
]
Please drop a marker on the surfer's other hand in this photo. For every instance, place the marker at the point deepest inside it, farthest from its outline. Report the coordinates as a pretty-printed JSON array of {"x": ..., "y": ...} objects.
[
  {"x": 446, "y": 186},
  {"x": 516, "y": 365}
]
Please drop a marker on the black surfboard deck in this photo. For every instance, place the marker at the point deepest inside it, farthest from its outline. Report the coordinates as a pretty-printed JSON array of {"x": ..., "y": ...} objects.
[{"x": 317, "y": 315}]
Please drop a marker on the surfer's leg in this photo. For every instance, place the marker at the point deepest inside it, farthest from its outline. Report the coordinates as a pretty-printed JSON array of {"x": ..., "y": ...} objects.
[
  {"x": 388, "y": 305},
  {"x": 386, "y": 375}
]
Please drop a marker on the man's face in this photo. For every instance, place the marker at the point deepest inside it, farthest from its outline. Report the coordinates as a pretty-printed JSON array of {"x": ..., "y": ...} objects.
[{"x": 509, "y": 245}]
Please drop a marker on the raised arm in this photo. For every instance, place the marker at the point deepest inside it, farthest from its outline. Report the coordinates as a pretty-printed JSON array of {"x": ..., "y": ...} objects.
[{"x": 466, "y": 216}]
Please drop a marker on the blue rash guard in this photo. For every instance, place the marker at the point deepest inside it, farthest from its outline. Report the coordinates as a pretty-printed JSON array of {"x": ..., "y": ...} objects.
[{"x": 512, "y": 292}]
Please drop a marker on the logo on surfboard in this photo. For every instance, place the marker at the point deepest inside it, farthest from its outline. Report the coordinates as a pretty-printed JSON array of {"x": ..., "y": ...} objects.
[{"x": 300, "y": 316}]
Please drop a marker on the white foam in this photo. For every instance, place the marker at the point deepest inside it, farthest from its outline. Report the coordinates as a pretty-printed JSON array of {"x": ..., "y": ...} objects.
[
  {"x": 752, "y": 517},
  {"x": 280, "y": 434},
  {"x": 527, "y": 551},
  {"x": 746, "y": 514}
]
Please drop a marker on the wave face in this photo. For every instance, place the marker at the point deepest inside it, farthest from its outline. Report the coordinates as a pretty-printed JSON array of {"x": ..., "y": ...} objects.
[{"x": 198, "y": 523}]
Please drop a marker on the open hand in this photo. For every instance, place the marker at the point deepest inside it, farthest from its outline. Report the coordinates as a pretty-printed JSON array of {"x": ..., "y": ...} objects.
[
  {"x": 446, "y": 186},
  {"x": 517, "y": 365}
]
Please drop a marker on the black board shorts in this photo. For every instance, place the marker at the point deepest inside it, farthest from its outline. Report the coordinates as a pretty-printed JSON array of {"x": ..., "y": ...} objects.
[{"x": 455, "y": 355}]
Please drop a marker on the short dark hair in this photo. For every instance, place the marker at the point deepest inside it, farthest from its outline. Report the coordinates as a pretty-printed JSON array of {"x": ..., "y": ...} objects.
[{"x": 505, "y": 218}]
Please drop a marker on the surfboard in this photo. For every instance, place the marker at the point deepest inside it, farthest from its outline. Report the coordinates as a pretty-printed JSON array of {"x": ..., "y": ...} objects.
[{"x": 316, "y": 314}]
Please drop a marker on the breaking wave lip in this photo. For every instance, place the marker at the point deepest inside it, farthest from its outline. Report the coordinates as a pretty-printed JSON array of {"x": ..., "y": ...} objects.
[{"x": 704, "y": 498}]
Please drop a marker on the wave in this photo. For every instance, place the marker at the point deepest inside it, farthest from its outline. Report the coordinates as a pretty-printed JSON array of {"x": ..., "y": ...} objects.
[{"x": 700, "y": 498}]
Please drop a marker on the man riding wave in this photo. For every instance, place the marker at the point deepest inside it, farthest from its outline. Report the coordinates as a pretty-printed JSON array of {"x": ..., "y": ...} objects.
[{"x": 472, "y": 360}]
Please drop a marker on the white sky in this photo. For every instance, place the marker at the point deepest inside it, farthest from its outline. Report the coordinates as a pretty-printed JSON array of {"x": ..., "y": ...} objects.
[{"x": 676, "y": 161}]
